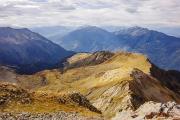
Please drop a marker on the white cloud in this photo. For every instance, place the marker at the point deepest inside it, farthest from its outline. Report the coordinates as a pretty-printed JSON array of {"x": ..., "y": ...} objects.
[{"x": 28, "y": 13}]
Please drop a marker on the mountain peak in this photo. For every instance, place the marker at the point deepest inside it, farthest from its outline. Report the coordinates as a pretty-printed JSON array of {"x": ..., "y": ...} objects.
[
  {"x": 133, "y": 31},
  {"x": 137, "y": 28},
  {"x": 89, "y": 39},
  {"x": 13, "y": 29},
  {"x": 18, "y": 35},
  {"x": 91, "y": 28}
]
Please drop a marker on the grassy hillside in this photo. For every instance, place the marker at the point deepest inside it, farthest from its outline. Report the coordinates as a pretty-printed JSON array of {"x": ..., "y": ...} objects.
[{"x": 118, "y": 81}]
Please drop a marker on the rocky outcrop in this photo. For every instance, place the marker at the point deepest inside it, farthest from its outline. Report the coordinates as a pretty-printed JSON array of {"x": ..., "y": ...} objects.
[
  {"x": 10, "y": 92},
  {"x": 153, "y": 111},
  {"x": 78, "y": 99},
  {"x": 83, "y": 101}
]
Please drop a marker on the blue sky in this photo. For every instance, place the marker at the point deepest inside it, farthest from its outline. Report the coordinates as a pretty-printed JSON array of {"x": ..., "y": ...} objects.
[{"x": 28, "y": 13}]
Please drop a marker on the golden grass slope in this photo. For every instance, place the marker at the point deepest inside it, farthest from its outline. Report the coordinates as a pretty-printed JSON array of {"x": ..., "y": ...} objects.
[
  {"x": 14, "y": 99},
  {"x": 79, "y": 56},
  {"x": 122, "y": 81}
]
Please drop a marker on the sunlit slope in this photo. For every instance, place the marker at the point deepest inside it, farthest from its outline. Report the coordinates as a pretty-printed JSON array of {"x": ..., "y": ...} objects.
[
  {"x": 115, "y": 69},
  {"x": 111, "y": 81}
]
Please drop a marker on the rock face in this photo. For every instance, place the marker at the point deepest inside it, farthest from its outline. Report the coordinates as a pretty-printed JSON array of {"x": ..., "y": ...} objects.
[
  {"x": 83, "y": 101},
  {"x": 27, "y": 51},
  {"x": 152, "y": 110}
]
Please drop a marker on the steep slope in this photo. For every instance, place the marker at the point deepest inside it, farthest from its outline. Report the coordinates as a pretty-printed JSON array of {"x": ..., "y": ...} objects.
[
  {"x": 113, "y": 82},
  {"x": 170, "y": 78},
  {"x": 161, "y": 49},
  {"x": 27, "y": 51},
  {"x": 90, "y": 39}
]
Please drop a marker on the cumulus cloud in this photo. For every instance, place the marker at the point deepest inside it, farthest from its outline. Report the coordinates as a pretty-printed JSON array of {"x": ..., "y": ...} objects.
[{"x": 29, "y": 13}]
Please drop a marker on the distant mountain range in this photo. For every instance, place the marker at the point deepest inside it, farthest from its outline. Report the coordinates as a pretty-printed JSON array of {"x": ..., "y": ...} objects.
[
  {"x": 90, "y": 39},
  {"x": 162, "y": 49},
  {"x": 27, "y": 51},
  {"x": 22, "y": 48},
  {"x": 53, "y": 32},
  {"x": 56, "y": 32}
]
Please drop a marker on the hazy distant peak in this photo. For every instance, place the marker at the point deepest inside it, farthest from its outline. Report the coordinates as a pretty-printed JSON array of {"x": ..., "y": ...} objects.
[
  {"x": 133, "y": 31},
  {"x": 137, "y": 31},
  {"x": 91, "y": 28},
  {"x": 10, "y": 30},
  {"x": 13, "y": 29},
  {"x": 137, "y": 28},
  {"x": 19, "y": 35}
]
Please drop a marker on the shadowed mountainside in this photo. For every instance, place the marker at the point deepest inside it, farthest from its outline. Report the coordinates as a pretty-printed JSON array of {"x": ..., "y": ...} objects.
[{"x": 28, "y": 52}]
